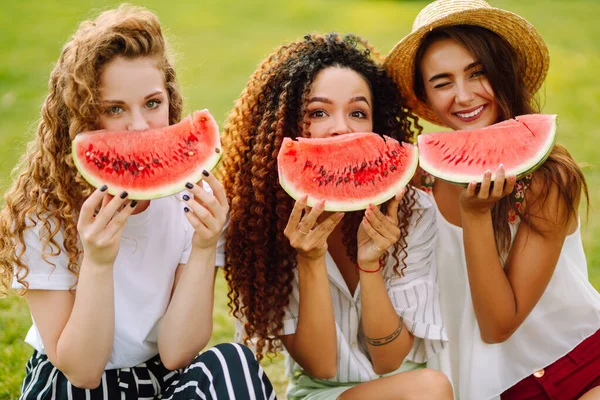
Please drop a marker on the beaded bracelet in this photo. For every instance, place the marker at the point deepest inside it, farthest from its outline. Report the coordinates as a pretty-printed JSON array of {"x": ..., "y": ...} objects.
[{"x": 371, "y": 271}]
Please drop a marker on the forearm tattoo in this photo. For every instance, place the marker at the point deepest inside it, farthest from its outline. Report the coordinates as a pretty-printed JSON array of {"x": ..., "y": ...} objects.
[{"x": 387, "y": 339}]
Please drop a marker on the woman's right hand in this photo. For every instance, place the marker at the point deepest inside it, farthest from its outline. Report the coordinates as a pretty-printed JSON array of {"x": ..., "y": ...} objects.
[
  {"x": 309, "y": 240},
  {"x": 100, "y": 234}
]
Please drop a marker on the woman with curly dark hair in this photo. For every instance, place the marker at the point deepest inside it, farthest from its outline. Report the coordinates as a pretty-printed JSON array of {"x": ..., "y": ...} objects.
[{"x": 352, "y": 297}]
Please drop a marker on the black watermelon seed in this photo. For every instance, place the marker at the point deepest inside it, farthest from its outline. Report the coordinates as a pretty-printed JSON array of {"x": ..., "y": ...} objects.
[{"x": 217, "y": 150}]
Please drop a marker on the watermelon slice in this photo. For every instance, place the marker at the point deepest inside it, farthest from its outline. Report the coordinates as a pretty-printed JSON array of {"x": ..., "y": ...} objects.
[
  {"x": 152, "y": 163},
  {"x": 348, "y": 171},
  {"x": 521, "y": 144}
]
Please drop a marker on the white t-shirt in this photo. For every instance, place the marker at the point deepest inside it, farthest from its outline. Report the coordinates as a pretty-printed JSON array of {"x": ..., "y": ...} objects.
[
  {"x": 566, "y": 314},
  {"x": 154, "y": 243}
]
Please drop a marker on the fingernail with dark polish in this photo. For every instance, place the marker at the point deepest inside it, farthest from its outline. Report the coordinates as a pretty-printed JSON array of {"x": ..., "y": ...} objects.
[
  {"x": 205, "y": 173},
  {"x": 186, "y": 209},
  {"x": 133, "y": 203},
  {"x": 123, "y": 195},
  {"x": 186, "y": 197},
  {"x": 103, "y": 188},
  {"x": 189, "y": 185}
]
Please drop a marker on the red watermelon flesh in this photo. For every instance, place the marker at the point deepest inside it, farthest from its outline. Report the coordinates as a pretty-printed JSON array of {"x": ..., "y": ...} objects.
[
  {"x": 348, "y": 171},
  {"x": 151, "y": 163},
  {"x": 521, "y": 144}
]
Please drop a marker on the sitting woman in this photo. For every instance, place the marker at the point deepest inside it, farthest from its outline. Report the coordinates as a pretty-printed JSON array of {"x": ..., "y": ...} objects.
[
  {"x": 522, "y": 317},
  {"x": 352, "y": 297}
]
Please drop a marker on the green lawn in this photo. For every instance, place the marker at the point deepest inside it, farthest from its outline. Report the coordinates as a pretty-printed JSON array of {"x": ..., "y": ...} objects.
[{"x": 217, "y": 47}]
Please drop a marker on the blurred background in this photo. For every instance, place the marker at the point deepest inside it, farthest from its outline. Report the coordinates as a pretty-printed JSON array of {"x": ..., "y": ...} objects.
[{"x": 218, "y": 44}]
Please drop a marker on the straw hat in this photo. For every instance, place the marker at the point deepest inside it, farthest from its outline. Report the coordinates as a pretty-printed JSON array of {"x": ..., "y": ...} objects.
[{"x": 521, "y": 35}]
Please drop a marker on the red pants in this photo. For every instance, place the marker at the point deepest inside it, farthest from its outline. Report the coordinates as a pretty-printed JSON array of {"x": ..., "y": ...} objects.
[{"x": 567, "y": 378}]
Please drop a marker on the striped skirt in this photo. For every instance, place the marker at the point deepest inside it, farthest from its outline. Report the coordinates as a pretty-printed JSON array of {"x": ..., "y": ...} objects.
[{"x": 226, "y": 371}]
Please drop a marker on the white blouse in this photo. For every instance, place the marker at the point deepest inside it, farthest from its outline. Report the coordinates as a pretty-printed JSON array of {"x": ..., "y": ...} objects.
[
  {"x": 567, "y": 313},
  {"x": 414, "y": 296}
]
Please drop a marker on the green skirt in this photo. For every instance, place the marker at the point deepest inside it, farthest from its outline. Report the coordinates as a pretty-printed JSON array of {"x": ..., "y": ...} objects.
[{"x": 304, "y": 387}]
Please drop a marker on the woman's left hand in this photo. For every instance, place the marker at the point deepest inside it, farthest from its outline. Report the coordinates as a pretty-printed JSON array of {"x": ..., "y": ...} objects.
[
  {"x": 206, "y": 212},
  {"x": 473, "y": 201},
  {"x": 377, "y": 232}
]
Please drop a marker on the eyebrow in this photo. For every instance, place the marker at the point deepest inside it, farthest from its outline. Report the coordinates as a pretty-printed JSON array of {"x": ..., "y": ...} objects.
[
  {"x": 447, "y": 75},
  {"x": 119, "y": 102},
  {"x": 327, "y": 101}
]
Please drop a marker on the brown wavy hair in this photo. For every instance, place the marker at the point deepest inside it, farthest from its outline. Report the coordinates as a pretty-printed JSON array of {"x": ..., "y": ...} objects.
[
  {"x": 47, "y": 189},
  {"x": 505, "y": 71},
  {"x": 260, "y": 261}
]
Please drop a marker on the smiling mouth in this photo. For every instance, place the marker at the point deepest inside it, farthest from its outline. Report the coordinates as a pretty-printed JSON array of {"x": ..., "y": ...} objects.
[{"x": 471, "y": 114}]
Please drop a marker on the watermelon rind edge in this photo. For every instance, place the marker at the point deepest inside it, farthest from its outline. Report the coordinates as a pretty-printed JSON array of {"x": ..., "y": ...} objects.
[
  {"x": 155, "y": 193},
  {"x": 356, "y": 205},
  {"x": 464, "y": 180}
]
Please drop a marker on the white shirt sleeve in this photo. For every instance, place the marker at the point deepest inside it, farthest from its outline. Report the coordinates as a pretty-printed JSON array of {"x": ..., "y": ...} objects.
[
  {"x": 50, "y": 273},
  {"x": 221, "y": 245},
  {"x": 290, "y": 320},
  {"x": 415, "y": 296}
]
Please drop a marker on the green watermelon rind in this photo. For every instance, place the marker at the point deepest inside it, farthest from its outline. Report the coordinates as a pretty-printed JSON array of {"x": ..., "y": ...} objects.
[
  {"x": 154, "y": 193},
  {"x": 359, "y": 204},
  {"x": 526, "y": 168}
]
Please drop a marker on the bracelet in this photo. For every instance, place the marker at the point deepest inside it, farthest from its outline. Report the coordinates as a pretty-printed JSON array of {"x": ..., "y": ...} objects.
[
  {"x": 389, "y": 338},
  {"x": 371, "y": 271}
]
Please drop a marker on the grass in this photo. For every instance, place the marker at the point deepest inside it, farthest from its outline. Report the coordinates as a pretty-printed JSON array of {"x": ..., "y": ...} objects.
[{"x": 218, "y": 46}]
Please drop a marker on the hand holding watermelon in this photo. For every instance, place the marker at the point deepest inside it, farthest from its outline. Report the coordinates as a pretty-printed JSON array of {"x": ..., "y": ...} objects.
[
  {"x": 377, "y": 233},
  {"x": 101, "y": 232},
  {"x": 206, "y": 212},
  {"x": 479, "y": 199},
  {"x": 309, "y": 240}
]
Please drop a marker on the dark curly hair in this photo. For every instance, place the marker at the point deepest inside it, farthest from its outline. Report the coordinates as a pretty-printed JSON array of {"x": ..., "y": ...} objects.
[{"x": 260, "y": 261}]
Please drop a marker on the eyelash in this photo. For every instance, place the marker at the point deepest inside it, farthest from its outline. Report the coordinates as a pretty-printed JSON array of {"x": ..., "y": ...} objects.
[
  {"x": 475, "y": 74},
  {"x": 110, "y": 110},
  {"x": 312, "y": 114}
]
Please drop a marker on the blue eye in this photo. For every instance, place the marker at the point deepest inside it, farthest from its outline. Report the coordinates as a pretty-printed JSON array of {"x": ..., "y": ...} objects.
[{"x": 113, "y": 110}]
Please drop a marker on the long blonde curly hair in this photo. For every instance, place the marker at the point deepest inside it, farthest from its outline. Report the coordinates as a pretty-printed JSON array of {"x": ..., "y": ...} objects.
[
  {"x": 260, "y": 262},
  {"x": 47, "y": 189}
]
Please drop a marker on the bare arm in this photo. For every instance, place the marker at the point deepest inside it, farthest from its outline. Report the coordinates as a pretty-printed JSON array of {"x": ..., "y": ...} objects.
[
  {"x": 187, "y": 324},
  {"x": 314, "y": 344},
  {"x": 78, "y": 329},
  {"x": 379, "y": 318},
  {"x": 504, "y": 297}
]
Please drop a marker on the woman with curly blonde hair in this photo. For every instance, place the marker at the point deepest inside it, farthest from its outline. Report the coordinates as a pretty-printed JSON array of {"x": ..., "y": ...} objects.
[
  {"x": 352, "y": 297},
  {"x": 120, "y": 291}
]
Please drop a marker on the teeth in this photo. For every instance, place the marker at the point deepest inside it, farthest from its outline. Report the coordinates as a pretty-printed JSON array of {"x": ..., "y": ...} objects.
[{"x": 471, "y": 114}]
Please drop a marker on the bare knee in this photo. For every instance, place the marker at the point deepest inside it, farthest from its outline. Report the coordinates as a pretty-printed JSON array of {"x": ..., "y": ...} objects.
[
  {"x": 436, "y": 385},
  {"x": 593, "y": 394}
]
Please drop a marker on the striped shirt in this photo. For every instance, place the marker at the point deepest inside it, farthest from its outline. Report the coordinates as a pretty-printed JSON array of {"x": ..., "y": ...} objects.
[{"x": 415, "y": 297}]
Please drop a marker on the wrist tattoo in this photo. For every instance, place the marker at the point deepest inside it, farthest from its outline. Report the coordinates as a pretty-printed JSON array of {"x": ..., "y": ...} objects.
[{"x": 387, "y": 339}]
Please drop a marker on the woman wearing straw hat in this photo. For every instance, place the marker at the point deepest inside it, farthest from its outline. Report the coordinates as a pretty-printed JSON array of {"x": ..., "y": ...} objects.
[{"x": 524, "y": 324}]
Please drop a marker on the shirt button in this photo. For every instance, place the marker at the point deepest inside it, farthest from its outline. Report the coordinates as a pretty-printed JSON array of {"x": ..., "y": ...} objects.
[{"x": 539, "y": 373}]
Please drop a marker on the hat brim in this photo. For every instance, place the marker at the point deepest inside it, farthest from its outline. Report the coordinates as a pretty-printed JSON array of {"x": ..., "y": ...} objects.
[{"x": 519, "y": 33}]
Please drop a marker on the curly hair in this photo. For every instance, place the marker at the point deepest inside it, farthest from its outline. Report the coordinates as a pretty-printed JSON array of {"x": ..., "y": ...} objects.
[
  {"x": 505, "y": 72},
  {"x": 260, "y": 261},
  {"x": 47, "y": 189}
]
